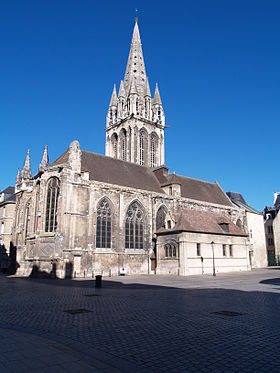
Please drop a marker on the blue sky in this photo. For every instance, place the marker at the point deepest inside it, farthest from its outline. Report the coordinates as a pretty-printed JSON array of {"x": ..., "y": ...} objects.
[{"x": 216, "y": 62}]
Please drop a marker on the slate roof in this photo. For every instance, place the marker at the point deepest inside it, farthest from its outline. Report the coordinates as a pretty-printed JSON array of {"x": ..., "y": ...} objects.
[
  {"x": 198, "y": 190},
  {"x": 114, "y": 171},
  {"x": 188, "y": 220},
  {"x": 238, "y": 199},
  {"x": 8, "y": 190}
]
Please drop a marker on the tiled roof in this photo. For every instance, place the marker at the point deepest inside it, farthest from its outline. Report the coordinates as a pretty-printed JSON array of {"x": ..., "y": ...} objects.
[{"x": 188, "y": 220}]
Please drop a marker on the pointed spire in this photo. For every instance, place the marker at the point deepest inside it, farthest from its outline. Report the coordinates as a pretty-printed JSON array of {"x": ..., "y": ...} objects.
[
  {"x": 157, "y": 99},
  {"x": 121, "y": 90},
  {"x": 147, "y": 91},
  {"x": 45, "y": 159},
  {"x": 18, "y": 178},
  {"x": 135, "y": 68},
  {"x": 133, "y": 88},
  {"x": 26, "y": 171},
  {"x": 114, "y": 99}
]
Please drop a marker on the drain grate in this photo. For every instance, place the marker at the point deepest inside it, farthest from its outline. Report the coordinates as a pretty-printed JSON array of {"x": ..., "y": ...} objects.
[
  {"x": 229, "y": 313},
  {"x": 92, "y": 295},
  {"x": 77, "y": 311}
]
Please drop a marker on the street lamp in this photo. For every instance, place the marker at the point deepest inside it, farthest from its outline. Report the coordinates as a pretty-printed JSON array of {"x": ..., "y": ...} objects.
[{"x": 212, "y": 245}]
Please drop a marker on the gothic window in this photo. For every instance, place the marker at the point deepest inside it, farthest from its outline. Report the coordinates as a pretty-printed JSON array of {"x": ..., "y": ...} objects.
[
  {"x": 137, "y": 106},
  {"x": 128, "y": 106},
  {"x": 51, "y": 206},
  {"x": 159, "y": 115},
  {"x": 123, "y": 145},
  {"x": 115, "y": 145},
  {"x": 35, "y": 226},
  {"x": 27, "y": 221},
  {"x": 170, "y": 251},
  {"x": 160, "y": 219},
  {"x": 134, "y": 227},
  {"x": 141, "y": 149},
  {"x": 111, "y": 115},
  {"x": 116, "y": 115},
  {"x": 153, "y": 152},
  {"x": 103, "y": 225}
]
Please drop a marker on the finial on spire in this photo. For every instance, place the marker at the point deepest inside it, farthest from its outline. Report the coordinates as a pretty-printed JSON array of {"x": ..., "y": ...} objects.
[{"x": 136, "y": 15}]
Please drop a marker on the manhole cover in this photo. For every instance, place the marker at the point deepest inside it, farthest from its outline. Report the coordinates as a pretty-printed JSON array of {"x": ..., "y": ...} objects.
[
  {"x": 92, "y": 295},
  {"x": 77, "y": 311},
  {"x": 229, "y": 313}
]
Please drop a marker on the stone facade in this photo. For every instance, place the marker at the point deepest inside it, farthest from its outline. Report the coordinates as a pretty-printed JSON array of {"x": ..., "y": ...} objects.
[{"x": 87, "y": 214}]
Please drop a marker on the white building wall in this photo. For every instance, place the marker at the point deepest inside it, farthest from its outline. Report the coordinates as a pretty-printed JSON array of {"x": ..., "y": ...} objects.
[{"x": 257, "y": 239}]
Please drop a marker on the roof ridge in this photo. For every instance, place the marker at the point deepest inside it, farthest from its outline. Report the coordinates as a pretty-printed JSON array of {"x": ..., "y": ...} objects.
[{"x": 196, "y": 179}]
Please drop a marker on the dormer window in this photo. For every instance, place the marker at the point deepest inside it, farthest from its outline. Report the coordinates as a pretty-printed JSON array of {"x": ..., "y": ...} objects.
[{"x": 225, "y": 227}]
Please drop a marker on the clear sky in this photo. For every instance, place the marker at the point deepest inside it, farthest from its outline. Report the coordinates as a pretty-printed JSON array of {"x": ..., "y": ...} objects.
[{"x": 217, "y": 64}]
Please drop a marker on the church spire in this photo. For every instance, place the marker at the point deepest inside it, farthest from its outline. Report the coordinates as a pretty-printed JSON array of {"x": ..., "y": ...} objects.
[
  {"x": 26, "y": 171},
  {"x": 135, "y": 68},
  {"x": 45, "y": 159}
]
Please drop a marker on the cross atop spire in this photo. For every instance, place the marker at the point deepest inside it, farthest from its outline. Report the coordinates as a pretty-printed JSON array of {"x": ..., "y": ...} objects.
[{"x": 135, "y": 68}]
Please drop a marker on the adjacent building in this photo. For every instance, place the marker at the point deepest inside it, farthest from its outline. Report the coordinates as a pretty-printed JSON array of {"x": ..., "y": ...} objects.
[
  {"x": 255, "y": 227},
  {"x": 7, "y": 213},
  {"x": 272, "y": 231}
]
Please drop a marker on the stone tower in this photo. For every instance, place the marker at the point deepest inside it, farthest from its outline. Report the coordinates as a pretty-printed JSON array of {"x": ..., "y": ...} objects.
[{"x": 135, "y": 121}]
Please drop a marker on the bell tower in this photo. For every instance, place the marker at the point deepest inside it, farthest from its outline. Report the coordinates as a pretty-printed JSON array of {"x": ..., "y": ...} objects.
[{"x": 135, "y": 120}]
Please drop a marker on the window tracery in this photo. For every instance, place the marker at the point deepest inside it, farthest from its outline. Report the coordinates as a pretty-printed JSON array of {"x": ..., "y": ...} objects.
[
  {"x": 103, "y": 225},
  {"x": 134, "y": 227},
  {"x": 51, "y": 205}
]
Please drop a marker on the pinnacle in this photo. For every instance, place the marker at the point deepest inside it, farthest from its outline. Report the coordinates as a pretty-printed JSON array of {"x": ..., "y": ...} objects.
[
  {"x": 45, "y": 159},
  {"x": 157, "y": 99},
  {"x": 147, "y": 91},
  {"x": 121, "y": 90},
  {"x": 133, "y": 88},
  {"x": 114, "y": 99},
  {"x": 26, "y": 171}
]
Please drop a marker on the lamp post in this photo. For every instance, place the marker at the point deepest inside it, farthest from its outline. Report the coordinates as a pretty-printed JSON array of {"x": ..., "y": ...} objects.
[{"x": 212, "y": 245}]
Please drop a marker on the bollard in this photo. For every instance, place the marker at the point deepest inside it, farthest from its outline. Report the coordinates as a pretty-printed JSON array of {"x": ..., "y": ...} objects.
[{"x": 98, "y": 281}]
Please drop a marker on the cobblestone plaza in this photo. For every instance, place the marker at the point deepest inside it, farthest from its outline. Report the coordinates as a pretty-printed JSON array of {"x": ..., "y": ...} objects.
[{"x": 228, "y": 323}]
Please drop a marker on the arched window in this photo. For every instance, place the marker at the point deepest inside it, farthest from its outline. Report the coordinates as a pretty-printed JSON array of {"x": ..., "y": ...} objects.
[
  {"x": 27, "y": 221},
  {"x": 51, "y": 206},
  {"x": 123, "y": 144},
  {"x": 170, "y": 251},
  {"x": 37, "y": 197},
  {"x": 115, "y": 145},
  {"x": 141, "y": 149},
  {"x": 153, "y": 152},
  {"x": 160, "y": 219},
  {"x": 134, "y": 227},
  {"x": 103, "y": 225},
  {"x": 137, "y": 106}
]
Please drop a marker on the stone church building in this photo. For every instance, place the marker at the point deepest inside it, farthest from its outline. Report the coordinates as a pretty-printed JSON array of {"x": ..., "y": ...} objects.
[{"x": 88, "y": 214}]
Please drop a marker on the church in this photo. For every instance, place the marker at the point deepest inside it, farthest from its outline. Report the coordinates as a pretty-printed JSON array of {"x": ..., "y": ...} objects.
[{"x": 87, "y": 214}]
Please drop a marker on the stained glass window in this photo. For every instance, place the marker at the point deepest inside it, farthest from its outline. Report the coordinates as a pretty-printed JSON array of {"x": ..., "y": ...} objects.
[
  {"x": 134, "y": 227},
  {"x": 51, "y": 206},
  {"x": 103, "y": 225}
]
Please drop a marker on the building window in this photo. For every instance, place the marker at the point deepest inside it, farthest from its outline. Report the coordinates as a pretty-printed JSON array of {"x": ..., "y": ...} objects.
[
  {"x": 160, "y": 219},
  {"x": 198, "y": 249},
  {"x": 170, "y": 191},
  {"x": 141, "y": 149},
  {"x": 153, "y": 152},
  {"x": 230, "y": 250},
  {"x": 270, "y": 242},
  {"x": 115, "y": 145},
  {"x": 270, "y": 229},
  {"x": 35, "y": 226},
  {"x": 134, "y": 227},
  {"x": 27, "y": 221},
  {"x": 51, "y": 206},
  {"x": 103, "y": 225},
  {"x": 159, "y": 115},
  {"x": 111, "y": 115},
  {"x": 225, "y": 227},
  {"x": 169, "y": 224},
  {"x": 137, "y": 106},
  {"x": 224, "y": 250},
  {"x": 170, "y": 251}
]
